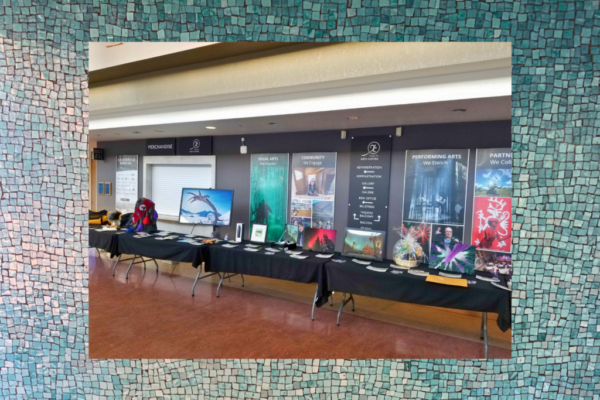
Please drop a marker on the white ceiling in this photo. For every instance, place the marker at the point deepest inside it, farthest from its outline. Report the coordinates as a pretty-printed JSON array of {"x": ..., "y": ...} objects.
[{"x": 480, "y": 109}]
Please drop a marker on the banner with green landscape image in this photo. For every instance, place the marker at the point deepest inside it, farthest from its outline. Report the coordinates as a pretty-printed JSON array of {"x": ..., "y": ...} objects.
[{"x": 269, "y": 192}]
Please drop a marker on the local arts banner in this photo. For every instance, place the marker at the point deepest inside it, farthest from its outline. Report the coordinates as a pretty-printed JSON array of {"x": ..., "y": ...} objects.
[
  {"x": 126, "y": 187},
  {"x": 369, "y": 182},
  {"x": 492, "y": 205},
  {"x": 269, "y": 192},
  {"x": 313, "y": 189}
]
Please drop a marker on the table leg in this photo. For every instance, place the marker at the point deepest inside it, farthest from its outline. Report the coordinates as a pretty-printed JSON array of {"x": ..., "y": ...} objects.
[
  {"x": 220, "y": 283},
  {"x": 242, "y": 279},
  {"x": 352, "y": 298},
  {"x": 97, "y": 251},
  {"x": 132, "y": 260},
  {"x": 154, "y": 259},
  {"x": 481, "y": 330},
  {"x": 485, "y": 334},
  {"x": 197, "y": 276},
  {"x": 116, "y": 262},
  {"x": 341, "y": 306},
  {"x": 312, "y": 314},
  {"x": 175, "y": 266}
]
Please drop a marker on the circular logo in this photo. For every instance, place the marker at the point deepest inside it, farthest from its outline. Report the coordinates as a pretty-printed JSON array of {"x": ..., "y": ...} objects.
[
  {"x": 373, "y": 148},
  {"x": 195, "y": 145}
]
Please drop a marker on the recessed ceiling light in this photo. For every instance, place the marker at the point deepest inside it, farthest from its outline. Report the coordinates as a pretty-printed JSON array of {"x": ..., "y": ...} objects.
[
  {"x": 272, "y": 123},
  {"x": 159, "y": 131},
  {"x": 136, "y": 132},
  {"x": 210, "y": 127},
  {"x": 353, "y": 118},
  {"x": 459, "y": 110},
  {"x": 116, "y": 134}
]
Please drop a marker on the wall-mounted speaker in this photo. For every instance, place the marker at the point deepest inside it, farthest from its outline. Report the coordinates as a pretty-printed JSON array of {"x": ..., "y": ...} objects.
[{"x": 98, "y": 154}]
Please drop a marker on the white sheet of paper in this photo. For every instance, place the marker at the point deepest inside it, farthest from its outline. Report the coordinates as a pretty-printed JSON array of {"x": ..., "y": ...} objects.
[
  {"x": 377, "y": 269},
  {"x": 295, "y": 253},
  {"x": 298, "y": 257},
  {"x": 250, "y": 249},
  {"x": 361, "y": 262},
  {"x": 397, "y": 266},
  {"x": 324, "y": 255},
  {"x": 230, "y": 246},
  {"x": 252, "y": 246}
]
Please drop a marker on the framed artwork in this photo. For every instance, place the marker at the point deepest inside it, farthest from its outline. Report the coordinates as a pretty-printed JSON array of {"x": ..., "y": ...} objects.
[
  {"x": 291, "y": 233},
  {"x": 322, "y": 240},
  {"x": 259, "y": 233},
  {"x": 205, "y": 206},
  {"x": 107, "y": 189},
  {"x": 368, "y": 245},
  {"x": 453, "y": 257},
  {"x": 101, "y": 188}
]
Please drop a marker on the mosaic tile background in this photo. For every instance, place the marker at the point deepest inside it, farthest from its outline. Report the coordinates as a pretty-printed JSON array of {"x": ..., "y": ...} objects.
[{"x": 44, "y": 196}]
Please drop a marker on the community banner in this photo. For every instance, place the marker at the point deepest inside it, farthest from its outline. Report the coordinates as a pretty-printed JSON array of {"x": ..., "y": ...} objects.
[
  {"x": 313, "y": 190},
  {"x": 492, "y": 205},
  {"x": 269, "y": 192},
  {"x": 126, "y": 187}
]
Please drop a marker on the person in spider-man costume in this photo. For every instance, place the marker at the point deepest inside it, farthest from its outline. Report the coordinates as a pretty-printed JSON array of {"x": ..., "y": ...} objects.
[{"x": 144, "y": 217}]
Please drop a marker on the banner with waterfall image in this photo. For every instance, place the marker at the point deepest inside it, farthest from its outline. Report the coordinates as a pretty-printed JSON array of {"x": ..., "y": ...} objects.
[
  {"x": 435, "y": 186},
  {"x": 269, "y": 192}
]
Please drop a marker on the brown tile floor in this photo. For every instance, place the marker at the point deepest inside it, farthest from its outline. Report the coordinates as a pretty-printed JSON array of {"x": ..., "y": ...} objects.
[{"x": 152, "y": 315}]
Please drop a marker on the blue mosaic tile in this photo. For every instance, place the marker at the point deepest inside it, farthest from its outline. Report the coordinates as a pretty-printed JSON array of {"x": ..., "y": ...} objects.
[{"x": 44, "y": 197}]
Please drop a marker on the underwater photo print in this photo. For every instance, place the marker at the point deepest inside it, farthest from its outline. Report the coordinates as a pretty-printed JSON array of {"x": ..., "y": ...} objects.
[{"x": 269, "y": 192}]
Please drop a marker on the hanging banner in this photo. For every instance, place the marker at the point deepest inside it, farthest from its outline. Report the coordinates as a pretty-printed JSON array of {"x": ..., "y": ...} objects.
[
  {"x": 313, "y": 189},
  {"x": 492, "y": 205},
  {"x": 269, "y": 193},
  {"x": 435, "y": 194},
  {"x": 126, "y": 186},
  {"x": 369, "y": 182},
  {"x": 435, "y": 186}
]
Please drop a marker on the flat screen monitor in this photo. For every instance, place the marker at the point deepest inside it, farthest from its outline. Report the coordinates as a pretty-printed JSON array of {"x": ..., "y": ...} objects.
[
  {"x": 322, "y": 240},
  {"x": 206, "y": 207},
  {"x": 367, "y": 245}
]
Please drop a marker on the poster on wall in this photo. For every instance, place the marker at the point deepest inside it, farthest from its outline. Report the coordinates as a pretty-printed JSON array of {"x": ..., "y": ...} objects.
[
  {"x": 126, "y": 184},
  {"x": 269, "y": 193},
  {"x": 313, "y": 190},
  {"x": 435, "y": 186},
  {"x": 492, "y": 205},
  {"x": 369, "y": 182}
]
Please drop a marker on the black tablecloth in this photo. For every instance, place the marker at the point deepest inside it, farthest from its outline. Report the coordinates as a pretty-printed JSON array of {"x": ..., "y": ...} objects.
[
  {"x": 350, "y": 277},
  {"x": 104, "y": 240},
  {"x": 276, "y": 266},
  {"x": 170, "y": 249}
]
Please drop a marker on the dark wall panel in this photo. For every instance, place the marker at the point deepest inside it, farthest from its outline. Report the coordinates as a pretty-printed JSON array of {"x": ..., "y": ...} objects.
[{"x": 233, "y": 168}]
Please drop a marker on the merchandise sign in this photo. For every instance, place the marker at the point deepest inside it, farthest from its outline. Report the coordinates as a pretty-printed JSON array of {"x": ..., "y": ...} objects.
[{"x": 160, "y": 147}]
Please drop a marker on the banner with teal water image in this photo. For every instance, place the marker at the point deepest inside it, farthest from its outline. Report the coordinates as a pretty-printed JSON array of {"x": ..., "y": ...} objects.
[{"x": 269, "y": 192}]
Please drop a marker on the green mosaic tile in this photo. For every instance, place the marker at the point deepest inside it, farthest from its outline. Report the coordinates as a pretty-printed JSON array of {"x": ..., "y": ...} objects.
[{"x": 43, "y": 166}]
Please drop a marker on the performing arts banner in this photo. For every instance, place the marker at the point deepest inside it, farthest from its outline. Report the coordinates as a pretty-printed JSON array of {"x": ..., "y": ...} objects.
[
  {"x": 313, "y": 190},
  {"x": 435, "y": 191},
  {"x": 269, "y": 192}
]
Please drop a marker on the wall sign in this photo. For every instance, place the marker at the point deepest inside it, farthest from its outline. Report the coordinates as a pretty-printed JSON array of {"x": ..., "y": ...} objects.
[
  {"x": 269, "y": 192},
  {"x": 126, "y": 185},
  {"x": 160, "y": 147},
  {"x": 194, "y": 146},
  {"x": 313, "y": 190},
  {"x": 369, "y": 182}
]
